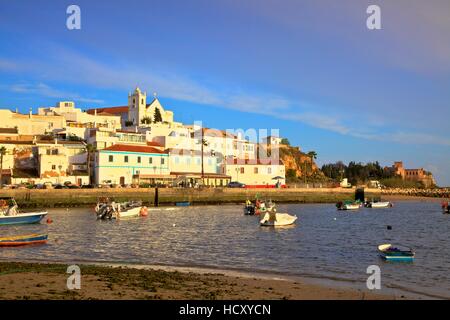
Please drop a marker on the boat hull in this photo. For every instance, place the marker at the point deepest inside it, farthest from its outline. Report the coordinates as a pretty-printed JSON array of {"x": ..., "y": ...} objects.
[
  {"x": 281, "y": 219},
  {"x": 23, "y": 218},
  {"x": 385, "y": 204},
  {"x": 391, "y": 253},
  {"x": 130, "y": 213},
  {"x": 23, "y": 240}
]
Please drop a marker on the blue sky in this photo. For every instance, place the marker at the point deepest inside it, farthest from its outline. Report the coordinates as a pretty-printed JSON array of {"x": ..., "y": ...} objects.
[{"x": 308, "y": 68}]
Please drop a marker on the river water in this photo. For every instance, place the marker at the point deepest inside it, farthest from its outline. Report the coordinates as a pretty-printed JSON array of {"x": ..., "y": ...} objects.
[{"x": 325, "y": 243}]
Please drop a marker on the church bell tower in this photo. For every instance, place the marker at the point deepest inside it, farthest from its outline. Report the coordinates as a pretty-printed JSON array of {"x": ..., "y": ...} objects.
[{"x": 137, "y": 102}]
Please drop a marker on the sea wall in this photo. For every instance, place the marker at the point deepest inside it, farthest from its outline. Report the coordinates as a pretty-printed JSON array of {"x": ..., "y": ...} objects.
[
  {"x": 434, "y": 193},
  {"x": 169, "y": 196}
]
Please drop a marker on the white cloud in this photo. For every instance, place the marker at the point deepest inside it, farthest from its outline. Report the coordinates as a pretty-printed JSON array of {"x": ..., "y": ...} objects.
[{"x": 43, "y": 89}]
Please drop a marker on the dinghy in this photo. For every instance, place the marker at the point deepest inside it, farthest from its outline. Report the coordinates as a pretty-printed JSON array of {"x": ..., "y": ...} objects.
[
  {"x": 107, "y": 210},
  {"x": 22, "y": 240},
  {"x": 379, "y": 204},
  {"x": 396, "y": 253},
  {"x": 9, "y": 213},
  {"x": 272, "y": 219},
  {"x": 348, "y": 205}
]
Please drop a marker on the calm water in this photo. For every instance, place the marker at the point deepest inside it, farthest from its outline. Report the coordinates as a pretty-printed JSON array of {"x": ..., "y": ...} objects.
[{"x": 325, "y": 243}]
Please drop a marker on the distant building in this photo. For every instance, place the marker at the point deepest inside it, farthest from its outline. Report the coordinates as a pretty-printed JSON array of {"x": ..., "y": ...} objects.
[
  {"x": 255, "y": 173},
  {"x": 419, "y": 175}
]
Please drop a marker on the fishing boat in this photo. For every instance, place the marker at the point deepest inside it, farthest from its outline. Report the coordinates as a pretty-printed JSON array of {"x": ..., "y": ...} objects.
[
  {"x": 22, "y": 240},
  {"x": 107, "y": 209},
  {"x": 273, "y": 219},
  {"x": 348, "y": 205},
  {"x": 261, "y": 207},
  {"x": 183, "y": 204},
  {"x": 378, "y": 204},
  {"x": 249, "y": 209},
  {"x": 396, "y": 253},
  {"x": 9, "y": 213}
]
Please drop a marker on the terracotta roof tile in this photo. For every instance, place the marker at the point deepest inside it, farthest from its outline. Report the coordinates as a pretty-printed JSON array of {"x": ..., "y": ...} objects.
[
  {"x": 110, "y": 110},
  {"x": 131, "y": 148}
]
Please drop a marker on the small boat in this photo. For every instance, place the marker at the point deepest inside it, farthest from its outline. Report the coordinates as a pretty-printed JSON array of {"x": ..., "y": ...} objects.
[
  {"x": 378, "y": 204},
  {"x": 183, "y": 204},
  {"x": 273, "y": 219},
  {"x": 396, "y": 253},
  {"x": 249, "y": 210},
  {"x": 348, "y": 205},
  {"x": 9, "y": 213},
  {"x": 107, "y": 209},
  {"x": 22, "y": 240}
]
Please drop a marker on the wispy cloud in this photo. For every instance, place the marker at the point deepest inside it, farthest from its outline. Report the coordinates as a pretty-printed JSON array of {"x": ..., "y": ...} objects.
[
  {"x": 45, "y": 90},
  {"x": 71, "y": 67}
]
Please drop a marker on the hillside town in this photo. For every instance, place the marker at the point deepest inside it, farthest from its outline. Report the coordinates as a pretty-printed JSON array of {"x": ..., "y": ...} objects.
[
  {"x": 137, "y": 144},
  {"x": 140, "y": 144}
]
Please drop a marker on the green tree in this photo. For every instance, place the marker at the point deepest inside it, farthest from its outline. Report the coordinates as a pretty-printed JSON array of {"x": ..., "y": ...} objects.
[
  {"x": 129, "y": 123},
  {"x": 285, "y": 141},
  {"x": 157, "y": 116},
  {"x": 146, "y": 120},
  {"x": 2, "y": 153}
]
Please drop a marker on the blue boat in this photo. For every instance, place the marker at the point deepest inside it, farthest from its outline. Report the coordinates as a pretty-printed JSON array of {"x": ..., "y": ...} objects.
[
  {"x": 22, "y": 240},
  {"x": 9, "y": 213},
  {"x": 396, "y": 253},
  {"x": 183, "y": 204}
]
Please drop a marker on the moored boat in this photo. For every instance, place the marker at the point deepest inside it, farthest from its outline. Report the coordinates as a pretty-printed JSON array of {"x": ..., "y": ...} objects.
[
  {"x": 107, "y": 209},
  {"x": 378, "y": 204},
  {"x": 396, "y": 253},
  {"x": 273, "y": 219},
  {"x": 9, "y": 213},
  {"x": 22, "y": 240},
  {"x": 348, "y": 205}
]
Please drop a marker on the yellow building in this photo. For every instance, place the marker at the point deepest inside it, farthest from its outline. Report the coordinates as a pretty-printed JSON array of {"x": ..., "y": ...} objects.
[
  {"x": 31, "y": 124},
  {"x": 127, "y": 164},
  {"x": 255, "y": 173}
]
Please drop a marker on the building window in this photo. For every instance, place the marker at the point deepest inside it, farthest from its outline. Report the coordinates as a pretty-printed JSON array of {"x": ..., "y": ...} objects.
[
  {"x": 242, "y": 170},
  {"x": 111, "y": 158},
  {"x": 150, "y": 160},
  {"x": 255, "y": 170},
  {"x": 53, "y": 167},
  {"x": 139, "y": 159},
  {"x": 125, "y": 159},
  {"x": 177, "y": 160},
  {"x": 269, "y": 170},
  {"x": 162, "y": 160}
]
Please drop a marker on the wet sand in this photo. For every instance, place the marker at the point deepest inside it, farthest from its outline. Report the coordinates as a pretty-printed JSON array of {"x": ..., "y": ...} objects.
[{"x": 48, "y": 281}]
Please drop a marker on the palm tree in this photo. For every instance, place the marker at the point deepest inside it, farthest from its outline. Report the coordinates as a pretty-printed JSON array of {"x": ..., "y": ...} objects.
[
  {"x": 2, "y": 153},
  {"x": 90, "y": 150},
  {"x": 311, "y": 155}
]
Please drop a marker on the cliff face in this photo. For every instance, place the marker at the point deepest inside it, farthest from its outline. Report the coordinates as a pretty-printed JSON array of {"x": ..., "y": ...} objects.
[{"x": 296, "y": 160}]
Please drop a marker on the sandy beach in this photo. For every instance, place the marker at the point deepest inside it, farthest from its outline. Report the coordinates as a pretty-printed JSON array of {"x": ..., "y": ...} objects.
[{"x": 48, "y": 281}]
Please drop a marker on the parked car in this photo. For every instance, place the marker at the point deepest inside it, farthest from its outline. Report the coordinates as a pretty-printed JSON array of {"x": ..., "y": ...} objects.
[
  {"x": 87, "y": 186},
  {"x": 235, "y": 184}
]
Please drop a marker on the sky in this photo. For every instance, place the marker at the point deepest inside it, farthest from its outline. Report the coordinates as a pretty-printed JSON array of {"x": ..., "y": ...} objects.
[{"x": 309, "y": 68}]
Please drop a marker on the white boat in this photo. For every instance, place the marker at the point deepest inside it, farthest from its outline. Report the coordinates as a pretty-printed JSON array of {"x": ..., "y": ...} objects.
[
  {"x": 131, "y": 213},
  {"x": 107, "y": 209},
  {"x": 351, "y": 206},
  {"x": 277, "y": 219},
  {"x": 381, "y": 204}
]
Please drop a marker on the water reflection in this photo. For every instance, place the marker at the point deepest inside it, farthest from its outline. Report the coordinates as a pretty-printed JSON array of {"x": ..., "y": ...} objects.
[{"x": 324, "y": 242}]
